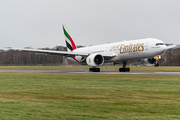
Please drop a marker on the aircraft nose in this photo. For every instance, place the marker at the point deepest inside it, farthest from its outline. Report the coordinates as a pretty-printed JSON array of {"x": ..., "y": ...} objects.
[{"x": 163, "y": 49}]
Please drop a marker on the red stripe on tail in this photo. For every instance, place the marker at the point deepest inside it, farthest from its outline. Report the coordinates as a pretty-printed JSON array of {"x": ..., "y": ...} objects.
[{"x": 72, "y": 42}]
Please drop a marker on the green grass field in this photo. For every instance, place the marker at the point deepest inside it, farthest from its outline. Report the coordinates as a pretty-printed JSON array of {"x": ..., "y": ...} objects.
[
  {"x": 103, "y": 68},
  {"x": 54, "y": 96}
]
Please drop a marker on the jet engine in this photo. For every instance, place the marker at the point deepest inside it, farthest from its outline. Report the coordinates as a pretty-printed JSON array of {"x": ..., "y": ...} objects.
[
  {"x": 95, "y": 60},
  {"x": 148, "y": 61},
  {"x": 151, "y": 60}
]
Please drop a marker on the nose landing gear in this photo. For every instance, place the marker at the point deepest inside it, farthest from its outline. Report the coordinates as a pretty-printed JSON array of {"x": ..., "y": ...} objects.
[{"x": 156, "y": 64}]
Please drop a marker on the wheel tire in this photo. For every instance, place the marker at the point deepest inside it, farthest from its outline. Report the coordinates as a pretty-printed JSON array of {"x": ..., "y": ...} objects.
[
  {"x": 156, "y": 65},
  {"x": 94, "y": 69},
  {"x": 124, "y": 69},
  {"x": 91, "y": 70}
]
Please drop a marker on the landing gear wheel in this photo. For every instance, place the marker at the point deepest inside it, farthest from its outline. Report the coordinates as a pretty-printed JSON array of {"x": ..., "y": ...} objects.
[
  {"x": 156, "y": 65},
  {"x": 94, "y": 69},
  {"x": 124, "y": 69}
]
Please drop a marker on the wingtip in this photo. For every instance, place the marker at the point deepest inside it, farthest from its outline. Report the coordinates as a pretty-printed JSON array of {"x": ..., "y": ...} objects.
[
  {"x": 169, "y": 46},
  {"x": 8, "y": 47}
]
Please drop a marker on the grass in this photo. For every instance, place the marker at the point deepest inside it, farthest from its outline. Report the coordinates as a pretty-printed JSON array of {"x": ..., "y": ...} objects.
[
  {"x": 103, "y": 68},
  {"x": 53, "y": 96}
]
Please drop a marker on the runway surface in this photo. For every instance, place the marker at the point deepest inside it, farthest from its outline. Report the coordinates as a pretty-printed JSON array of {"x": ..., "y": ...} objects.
[{"x": 87, "y": 72}]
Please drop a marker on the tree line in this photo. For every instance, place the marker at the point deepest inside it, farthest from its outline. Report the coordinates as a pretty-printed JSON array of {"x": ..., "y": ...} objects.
[
  {"x": 21, "y": 58},
  {"x": 24, "y": 58},
  {"x": 171, "y": 58}
]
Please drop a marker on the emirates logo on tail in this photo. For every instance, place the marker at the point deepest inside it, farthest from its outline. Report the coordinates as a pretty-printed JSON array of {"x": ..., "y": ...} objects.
[{"x": 69, "y": 41}]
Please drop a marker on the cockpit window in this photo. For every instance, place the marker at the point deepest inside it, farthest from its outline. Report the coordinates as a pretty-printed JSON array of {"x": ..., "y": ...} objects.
[{"x": 157, "y": 44}]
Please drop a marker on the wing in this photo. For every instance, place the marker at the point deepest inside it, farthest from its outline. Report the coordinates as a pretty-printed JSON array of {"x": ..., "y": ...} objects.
[
  {"x": 64, "y": 53},
  {"x": 51, "y": 52},
  {"x": 169, "y": 46}
]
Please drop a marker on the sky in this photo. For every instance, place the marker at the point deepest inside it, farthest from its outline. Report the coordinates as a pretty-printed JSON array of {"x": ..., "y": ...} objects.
[{"x": 38, "y": 23}]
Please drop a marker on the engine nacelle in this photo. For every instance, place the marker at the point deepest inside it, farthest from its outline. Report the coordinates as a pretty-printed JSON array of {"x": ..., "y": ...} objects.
[
  {"x": 148, "y": 61},
  {"x": 151, "y": 60},
  {"x": 95, "y": 60}
]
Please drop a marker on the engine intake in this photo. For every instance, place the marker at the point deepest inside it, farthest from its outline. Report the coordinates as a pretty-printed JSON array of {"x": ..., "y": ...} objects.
[
  {"x": 148, "y": 61},
  {"x": 95, "y": 60},
  {"x": 152, "y": 60}
]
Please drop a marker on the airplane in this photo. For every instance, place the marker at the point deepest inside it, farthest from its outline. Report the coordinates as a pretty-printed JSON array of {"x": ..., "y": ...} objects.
[{"x": 150, "y": 49}]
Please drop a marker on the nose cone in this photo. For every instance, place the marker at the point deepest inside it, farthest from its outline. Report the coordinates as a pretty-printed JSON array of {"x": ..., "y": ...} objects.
[{"x": 162, "y": 49}]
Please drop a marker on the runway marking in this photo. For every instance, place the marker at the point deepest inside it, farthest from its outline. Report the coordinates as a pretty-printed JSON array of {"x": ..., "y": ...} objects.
[{"x": 87, "y": 72}]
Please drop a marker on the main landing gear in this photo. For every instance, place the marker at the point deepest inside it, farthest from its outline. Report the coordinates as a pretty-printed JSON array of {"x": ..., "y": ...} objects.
[
  {"x": 94, "y": 69},
  {"x": 124, "y": 69}
]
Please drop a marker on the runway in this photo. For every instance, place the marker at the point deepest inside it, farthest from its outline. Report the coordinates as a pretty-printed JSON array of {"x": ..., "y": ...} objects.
[{"x": 87, "y": 72}]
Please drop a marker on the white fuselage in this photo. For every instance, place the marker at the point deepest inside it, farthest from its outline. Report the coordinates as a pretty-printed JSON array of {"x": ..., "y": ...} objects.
[{"x": 126, "y": 50}]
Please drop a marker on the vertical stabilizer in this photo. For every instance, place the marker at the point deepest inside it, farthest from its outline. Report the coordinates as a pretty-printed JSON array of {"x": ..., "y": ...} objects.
[{"x": 68, "y": 39}]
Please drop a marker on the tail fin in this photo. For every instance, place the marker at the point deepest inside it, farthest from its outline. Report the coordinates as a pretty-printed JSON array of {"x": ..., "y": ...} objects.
[{"x": 69, "y": 41}]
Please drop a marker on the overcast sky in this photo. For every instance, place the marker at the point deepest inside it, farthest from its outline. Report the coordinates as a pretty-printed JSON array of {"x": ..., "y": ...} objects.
[{"x": 38, "y": 23}]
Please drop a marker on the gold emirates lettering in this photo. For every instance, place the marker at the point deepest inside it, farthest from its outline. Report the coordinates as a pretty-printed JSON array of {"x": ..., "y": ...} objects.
[{"x": 131, "y": 48}]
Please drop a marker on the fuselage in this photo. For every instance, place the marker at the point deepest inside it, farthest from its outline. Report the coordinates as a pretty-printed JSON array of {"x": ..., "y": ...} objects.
[{"x": 126, "y": 50}]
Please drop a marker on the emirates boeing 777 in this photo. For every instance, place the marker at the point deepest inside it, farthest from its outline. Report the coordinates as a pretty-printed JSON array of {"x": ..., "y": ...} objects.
[{"x": 95, "y": 56}]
